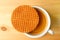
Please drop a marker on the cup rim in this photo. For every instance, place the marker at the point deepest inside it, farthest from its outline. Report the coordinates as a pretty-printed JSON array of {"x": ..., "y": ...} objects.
[{"x": 48, "y": 24}]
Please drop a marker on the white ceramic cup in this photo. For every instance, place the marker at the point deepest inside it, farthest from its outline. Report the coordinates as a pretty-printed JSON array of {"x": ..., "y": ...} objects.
[{"x": 47, "y": 29}]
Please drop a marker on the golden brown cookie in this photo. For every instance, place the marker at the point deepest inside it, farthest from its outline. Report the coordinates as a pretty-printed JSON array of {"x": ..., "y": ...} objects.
[{"x": 25, "y": 18}]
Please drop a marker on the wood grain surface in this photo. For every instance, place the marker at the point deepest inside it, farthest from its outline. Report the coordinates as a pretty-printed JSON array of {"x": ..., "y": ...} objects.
[{"x": 7, "y": 7}]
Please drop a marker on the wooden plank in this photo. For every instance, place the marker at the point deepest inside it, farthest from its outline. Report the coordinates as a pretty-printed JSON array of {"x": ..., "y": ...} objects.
[{"x": 7, "y": 7}]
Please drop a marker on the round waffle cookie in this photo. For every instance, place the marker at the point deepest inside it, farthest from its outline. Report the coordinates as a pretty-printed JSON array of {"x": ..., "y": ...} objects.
[{"x": 25, "y": 18}]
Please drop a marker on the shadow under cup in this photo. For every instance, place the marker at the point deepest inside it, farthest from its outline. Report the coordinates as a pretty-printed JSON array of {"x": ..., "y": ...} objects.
[{"x": 41, "y": 25}]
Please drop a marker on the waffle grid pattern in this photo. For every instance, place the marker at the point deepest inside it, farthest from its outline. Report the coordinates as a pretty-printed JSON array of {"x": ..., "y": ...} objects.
[{"x": 25, "y": 18}]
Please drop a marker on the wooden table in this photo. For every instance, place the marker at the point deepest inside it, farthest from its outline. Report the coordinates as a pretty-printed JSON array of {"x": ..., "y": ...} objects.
[{"x": 7, "y": 7}]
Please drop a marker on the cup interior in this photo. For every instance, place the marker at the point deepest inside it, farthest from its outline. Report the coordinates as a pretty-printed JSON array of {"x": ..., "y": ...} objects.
[{"x": 44, "y": 22}]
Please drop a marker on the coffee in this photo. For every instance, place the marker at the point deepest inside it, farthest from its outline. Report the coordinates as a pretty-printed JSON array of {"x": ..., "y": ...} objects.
[{"x": 42, "y": 23}]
